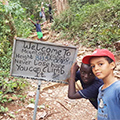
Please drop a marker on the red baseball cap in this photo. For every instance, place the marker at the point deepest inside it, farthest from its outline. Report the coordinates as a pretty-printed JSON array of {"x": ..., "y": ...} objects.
[{"x": 97, "y": 53}]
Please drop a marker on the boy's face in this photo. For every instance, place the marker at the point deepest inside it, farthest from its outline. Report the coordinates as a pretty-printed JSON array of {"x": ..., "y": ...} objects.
[
  {"x": 86, "y": 73},
  {"x": 38, "y": 22},
  {"x": 101, "y": 68}
]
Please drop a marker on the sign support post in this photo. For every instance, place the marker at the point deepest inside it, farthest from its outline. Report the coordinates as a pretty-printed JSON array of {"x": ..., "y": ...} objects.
[{"x": 36, "y": 101}]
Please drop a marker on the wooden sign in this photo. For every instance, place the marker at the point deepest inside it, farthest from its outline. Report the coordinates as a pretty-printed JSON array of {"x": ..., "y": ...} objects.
[{"x": 42, "y": 60}]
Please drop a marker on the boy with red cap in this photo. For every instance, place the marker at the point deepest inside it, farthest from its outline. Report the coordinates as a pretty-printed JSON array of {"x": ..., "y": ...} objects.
[{"x": 102, "y": 62}]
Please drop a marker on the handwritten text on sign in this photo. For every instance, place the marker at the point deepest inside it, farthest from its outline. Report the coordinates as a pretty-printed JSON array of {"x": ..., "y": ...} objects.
[{"x": 47, "y": 61}]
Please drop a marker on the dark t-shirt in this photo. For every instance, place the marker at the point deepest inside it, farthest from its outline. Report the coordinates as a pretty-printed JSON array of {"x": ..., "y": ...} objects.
[
  {"x": 90, "y": 91},
  {"x": 38, "y": 27},
  {"x": 50, "y": 9}
]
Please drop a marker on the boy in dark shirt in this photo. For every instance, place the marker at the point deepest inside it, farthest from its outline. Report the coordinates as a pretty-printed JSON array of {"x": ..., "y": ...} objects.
[
  {"x": 38, "y": 29},
  {"x": 88, "y": 81},
  {"x": 50, "y": 12}
]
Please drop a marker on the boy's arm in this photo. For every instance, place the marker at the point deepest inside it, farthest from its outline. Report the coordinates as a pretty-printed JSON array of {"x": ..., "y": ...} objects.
[
  {"x": 47, "y": 4},
  {"x": 43, "y": 23},
  {"x": 72, "y": 94},
  {"x": 31, "y": 21}
]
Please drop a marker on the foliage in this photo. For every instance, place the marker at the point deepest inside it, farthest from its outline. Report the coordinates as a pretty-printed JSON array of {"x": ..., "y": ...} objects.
[
  {"x": 3, "y": 109},
  {"x": 11, "y": 22},
  {"x": 33, "y": 7},
  {"x": 82, "y": 2},
  {"x": 10, "y": 85},
  {"x": 14, "y": 15},
  {"x": 11, "y": 115},
  {"x": 5, "y": 55},
  {"x": 32, "y": 100},
  {"x": 92, "y": 24}
]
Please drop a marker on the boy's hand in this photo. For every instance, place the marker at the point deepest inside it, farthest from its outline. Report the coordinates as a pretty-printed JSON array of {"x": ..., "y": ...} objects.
[
  {"x": 73, "y": 70},
  {"x": 74, "y": 67},
  {"x": 29, "y": 19}
]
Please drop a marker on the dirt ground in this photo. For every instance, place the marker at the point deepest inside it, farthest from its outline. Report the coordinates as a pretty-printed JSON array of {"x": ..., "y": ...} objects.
[{"x": 53, "y": 102}]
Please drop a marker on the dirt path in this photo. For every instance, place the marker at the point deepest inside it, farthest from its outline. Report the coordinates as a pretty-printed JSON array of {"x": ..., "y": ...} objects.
[{"x": 53, "y": 105}]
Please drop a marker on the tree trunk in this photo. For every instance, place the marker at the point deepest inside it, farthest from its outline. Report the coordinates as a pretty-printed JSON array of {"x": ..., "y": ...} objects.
[{"x": 60, "y": 5}]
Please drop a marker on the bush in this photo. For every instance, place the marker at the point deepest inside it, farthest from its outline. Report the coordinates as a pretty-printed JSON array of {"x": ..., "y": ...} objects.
[{"x": 91, "y": 24}]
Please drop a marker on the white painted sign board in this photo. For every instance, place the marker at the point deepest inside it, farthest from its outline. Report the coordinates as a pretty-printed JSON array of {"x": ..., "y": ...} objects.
[{"x": 42, "y": 60}]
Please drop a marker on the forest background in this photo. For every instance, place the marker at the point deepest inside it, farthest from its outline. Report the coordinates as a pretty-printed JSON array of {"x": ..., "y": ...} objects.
[{"x": 91, "y": 23}]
